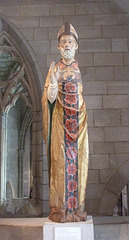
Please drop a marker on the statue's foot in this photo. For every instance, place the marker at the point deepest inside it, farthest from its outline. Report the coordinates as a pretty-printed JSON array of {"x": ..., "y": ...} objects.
[
  {"x": 57, "y": 215},
  {"x": 82, "y": 215},
  {"x": 77, "y": 216},
  {"x": 61, "y": 216}
]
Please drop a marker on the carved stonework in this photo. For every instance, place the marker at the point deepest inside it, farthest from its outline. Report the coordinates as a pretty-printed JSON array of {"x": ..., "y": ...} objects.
[
  {"x": 10, "y": 50},
  {"x": 36, "y": 116},
  {"x": 16, "y": 84}
]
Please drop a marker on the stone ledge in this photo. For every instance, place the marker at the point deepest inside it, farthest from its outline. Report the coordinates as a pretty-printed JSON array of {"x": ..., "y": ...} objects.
[
  {"x": 110, "y": 220},
  {"x": 40, "y": 228}
]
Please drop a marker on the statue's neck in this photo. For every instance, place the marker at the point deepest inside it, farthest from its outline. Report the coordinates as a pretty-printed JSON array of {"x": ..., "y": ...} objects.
[{"x": 67, "y": 62}]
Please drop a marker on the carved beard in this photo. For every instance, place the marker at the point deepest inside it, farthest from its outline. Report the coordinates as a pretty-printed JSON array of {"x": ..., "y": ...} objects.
[{"x": 67, "y": 54}]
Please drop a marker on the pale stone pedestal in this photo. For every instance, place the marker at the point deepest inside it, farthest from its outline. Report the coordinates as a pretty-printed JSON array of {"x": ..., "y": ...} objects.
[{"x": 62, "y": 231}]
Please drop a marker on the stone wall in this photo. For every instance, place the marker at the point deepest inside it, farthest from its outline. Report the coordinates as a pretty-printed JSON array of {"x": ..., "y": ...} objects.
[{"x": 103, "y": 57}]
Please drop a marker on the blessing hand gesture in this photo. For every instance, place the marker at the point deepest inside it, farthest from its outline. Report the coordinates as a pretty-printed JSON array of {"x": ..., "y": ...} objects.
[{"x": 54, "y": 73}]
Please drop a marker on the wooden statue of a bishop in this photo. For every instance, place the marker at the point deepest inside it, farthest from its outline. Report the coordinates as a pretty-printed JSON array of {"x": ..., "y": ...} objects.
[{"x": 65, "y": 132}]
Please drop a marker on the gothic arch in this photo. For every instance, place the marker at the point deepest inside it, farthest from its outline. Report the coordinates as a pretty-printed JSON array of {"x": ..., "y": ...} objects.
[
  {"x": 27, "y": 55},
  {"x": 28, "y": 77}
]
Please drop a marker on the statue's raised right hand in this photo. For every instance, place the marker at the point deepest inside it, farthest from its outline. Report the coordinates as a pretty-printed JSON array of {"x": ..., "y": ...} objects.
[{"x": 54, "y": 73}]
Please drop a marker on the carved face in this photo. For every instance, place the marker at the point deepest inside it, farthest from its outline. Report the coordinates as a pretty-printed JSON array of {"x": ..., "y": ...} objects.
[{"x": 67, "y": 47}]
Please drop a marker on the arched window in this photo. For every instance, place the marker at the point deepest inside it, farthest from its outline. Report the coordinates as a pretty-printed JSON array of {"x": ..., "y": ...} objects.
[
  {"x": 20, "y": 124},
  {"x": 16, "y": 112}
]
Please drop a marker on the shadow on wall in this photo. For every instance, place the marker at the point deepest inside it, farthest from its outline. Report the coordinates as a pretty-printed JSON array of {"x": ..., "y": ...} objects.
[{"x": 113, "y": 189}]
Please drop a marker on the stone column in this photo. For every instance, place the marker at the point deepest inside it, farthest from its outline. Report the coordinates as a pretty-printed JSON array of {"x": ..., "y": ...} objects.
[
  {"x": 3, "y": 122},
  {"x": 36, "y": 155},
  {"x": 20, "y": 172}
]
